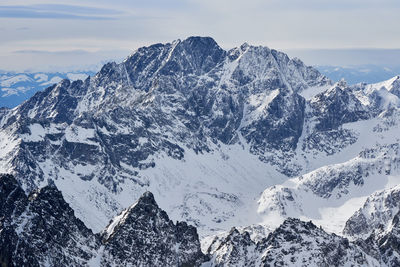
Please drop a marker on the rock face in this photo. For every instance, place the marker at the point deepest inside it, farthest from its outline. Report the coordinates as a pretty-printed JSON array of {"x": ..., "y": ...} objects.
[
  {"x": 377, "y": 221},
  {"x": 143, "y": 235},
  {"x": 187, "y": 93},
  {"x": 41, "y": 229},
  {"x": 337, "y": 106},
  {"x": 376, "y": 215},
  {"x": 294, "y": 243},
  {"x": 389, "y": 243}
]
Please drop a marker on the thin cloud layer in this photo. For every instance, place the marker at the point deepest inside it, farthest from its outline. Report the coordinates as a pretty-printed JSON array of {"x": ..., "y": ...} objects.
[
  {"x": 57, "y": 11},
  {"x": 123, "y": 25}
]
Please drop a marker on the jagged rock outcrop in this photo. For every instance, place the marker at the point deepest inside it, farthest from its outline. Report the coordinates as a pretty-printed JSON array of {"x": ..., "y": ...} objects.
[
  {"x": 294, "y": 243},
  {"x": 377, "y": 222},
  {"x": 337, "y": 106},
  {"x": 144, "y": 235},
  {"x": 41, "y": 229},
  {"x": 389, "y": 243},
  {"x": 376, "y": 215}
]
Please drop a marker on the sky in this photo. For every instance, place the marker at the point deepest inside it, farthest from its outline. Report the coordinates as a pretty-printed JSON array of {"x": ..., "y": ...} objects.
[{"x": 40, "y": 35}]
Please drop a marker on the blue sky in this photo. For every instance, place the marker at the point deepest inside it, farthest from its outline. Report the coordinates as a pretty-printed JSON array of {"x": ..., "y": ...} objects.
[{"x": 57, "y": 35}]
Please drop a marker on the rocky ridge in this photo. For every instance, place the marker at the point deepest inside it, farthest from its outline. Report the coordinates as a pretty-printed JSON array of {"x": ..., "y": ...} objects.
[
  {"x": 294, "y": 243},
  {"x": 41, "y": 229}
]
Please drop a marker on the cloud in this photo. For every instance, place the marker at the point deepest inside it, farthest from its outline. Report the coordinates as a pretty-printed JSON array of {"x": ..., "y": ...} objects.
[
  {"x": 14, "y": 91},
  {"x": 46, "y": 52},
  {"x": 63, "y": 61},
  {"x": 58, "y": 11},
  {"x": 299, "y": 5},
  {"x": 344, "y": 5},
  {"x": 80, "y": 31}
]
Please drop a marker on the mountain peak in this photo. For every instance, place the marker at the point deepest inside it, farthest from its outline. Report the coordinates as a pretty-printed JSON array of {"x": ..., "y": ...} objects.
[
  {"x": 200, "y": 40},
  {"x": 342, "y": 83},
  {"x": 146, "y": 206},
  {"x": 144, "y": 227},
  {"x": 172, "y": 98},
  {"x": 147, "y": 198},
  {"x": 244, "y": 46},
  {"x": 45, "y": 231}
]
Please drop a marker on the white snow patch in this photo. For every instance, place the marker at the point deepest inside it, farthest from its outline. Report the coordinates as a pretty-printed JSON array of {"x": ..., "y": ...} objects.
[
  {"x": 78, "y": 134},
  {"x": 388, "y": 84},
  {"x": 55, "y": 79},
  {"x": 14, "y": 80},
  {"x": 310, "y": 92},
  {"x": 41, "y": 77},
  {"x": 77, "y": 76},
  {"x": 38, "y": 133},
  {"x": 118, "y": 220}
]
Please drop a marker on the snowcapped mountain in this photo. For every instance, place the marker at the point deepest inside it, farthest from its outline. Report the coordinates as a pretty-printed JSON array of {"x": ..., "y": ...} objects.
[
  {"x": 41, "y": 230},
  {"x": 377, "y": 222},
  {"x": 204, "y": 129},
  {"x": 376, "y": 215},
  {"x": 18, "y": 87},
  {"x": 367, "y": 157},
  {"x": 243, "y": 138},
  {"x": 294, "y": 243},
  {"x": 359, "y": 73},
  {"x": 143, "y": 235}
]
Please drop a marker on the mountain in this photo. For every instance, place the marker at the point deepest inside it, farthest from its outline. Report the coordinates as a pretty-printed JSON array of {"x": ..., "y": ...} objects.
[
  {"x": 185, "y": 119},
  {"x": 294, "y": 243},
  {"x": 245, "y": 138},
  {"x": 41, "y": 230},
  {"x": 362, "y": 122},
  {"x": 376, "y": 215},
  {"x": 17, "y": 87},
  {"x": 377, "y": 222},
  {"x": 158, "y": 240}
]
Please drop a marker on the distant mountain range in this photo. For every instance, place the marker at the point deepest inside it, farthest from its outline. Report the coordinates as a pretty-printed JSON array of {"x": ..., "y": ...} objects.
[
  {"x": 17, "y": 87},
  {"x": 359, "y": 73}
]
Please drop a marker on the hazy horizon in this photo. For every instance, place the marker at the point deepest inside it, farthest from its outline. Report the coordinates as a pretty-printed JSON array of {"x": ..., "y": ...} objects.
[
  {"x": 69, "y": 35},
  {"x": 77, "y": 60}
]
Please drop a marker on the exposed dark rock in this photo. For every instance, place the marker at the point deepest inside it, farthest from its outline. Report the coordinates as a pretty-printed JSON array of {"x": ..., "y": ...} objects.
[
  {"x": 294, "y": 243},
  {"x": 41, "y": 229}
]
